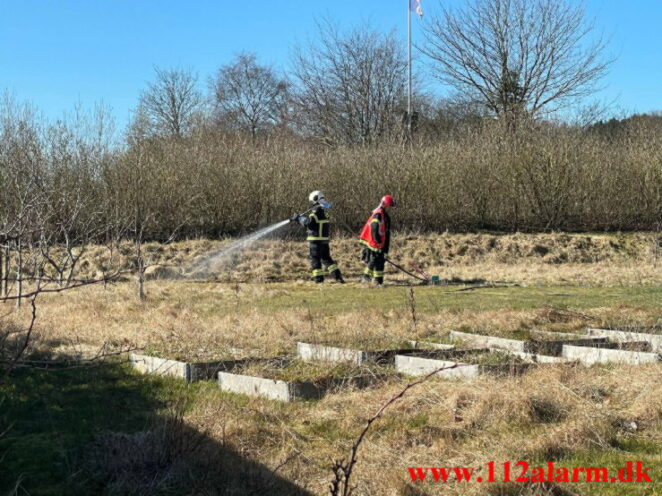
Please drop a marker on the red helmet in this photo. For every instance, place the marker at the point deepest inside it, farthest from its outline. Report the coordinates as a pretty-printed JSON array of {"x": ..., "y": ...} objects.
[{"x": 388, "y": 201}]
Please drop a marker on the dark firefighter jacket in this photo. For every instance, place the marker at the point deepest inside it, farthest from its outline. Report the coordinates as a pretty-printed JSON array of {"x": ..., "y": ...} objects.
[{"x": 317, "y": 225}]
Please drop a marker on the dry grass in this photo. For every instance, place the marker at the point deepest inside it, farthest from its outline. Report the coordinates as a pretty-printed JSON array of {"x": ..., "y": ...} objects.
[
  {"x": 205, "y": 321},
  {"x": 597, "y": 259},
  {"x": 547, "y": 414},
  {"x": 567, "y": 413}
]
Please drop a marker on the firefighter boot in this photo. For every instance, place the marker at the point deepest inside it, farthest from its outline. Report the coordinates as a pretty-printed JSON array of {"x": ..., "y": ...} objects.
[{"x": 318, "y": 275}]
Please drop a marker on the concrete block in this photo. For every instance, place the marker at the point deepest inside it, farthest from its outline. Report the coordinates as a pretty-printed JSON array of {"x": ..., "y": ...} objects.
[
  {"x": 268, "y": 388},
  {"x": 488, "y": 341},
  {"x": 554, "y": 348},
  {"x": 309, "y": 351},
  {"x": 275, "y": 389},
  {"x": 655, "y": 340},
  {"x": 159, "y": 366},
  {"x": 189, "y": 371},
  {"x": 589, "y": 356},
  {"x": 551, "y": 348},
  {"x": 428, "y": 345},
  {"x": 421, "y": 365},
  {"x": 414, "y": 365}
]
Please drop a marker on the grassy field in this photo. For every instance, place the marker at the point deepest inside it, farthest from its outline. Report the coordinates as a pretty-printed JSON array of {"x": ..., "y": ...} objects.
[{"x": 107, "y": 430}]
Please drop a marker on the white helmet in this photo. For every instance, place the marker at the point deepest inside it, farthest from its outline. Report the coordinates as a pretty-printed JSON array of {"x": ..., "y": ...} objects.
[{"x": 316, "y": 196}]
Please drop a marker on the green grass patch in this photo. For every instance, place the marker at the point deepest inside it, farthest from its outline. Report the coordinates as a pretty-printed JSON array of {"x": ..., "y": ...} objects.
[
  {"x": 52, "y": 417},
  {"x": 614, "y": 459},
  {"x": 336, "y": 299}
]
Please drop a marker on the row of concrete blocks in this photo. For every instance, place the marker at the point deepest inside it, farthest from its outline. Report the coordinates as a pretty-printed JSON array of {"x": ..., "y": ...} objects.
[
  {"x": 189, "y": 371},
  {"x": 452, "y": 367},
  {"x": 197, "y": 371},
  {"x": 271, "y": 388},
  {"x": 655, "y": 340},
  {"x": 310, "y": 351},
  {"x": 409, "y": 361},
  {"x": 589, "y": 350},
  {"x": 222, "y": 371},
  {"x": 302, "y": 390},
  {"x": 290, "y": 391},
  {"x": 592, "y": 337},
  {"x": 543, "y": 350}
]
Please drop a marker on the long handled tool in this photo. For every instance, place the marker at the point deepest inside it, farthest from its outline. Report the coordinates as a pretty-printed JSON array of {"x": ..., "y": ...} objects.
[{"x": 400, "y": 268}]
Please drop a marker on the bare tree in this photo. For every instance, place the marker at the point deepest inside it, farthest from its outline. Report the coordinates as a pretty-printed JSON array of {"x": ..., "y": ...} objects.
[
  {"x": 350, "y": 85},
  {"x": 71, "y": 217},
  {"x": 516, "y": 56},
  {"x": 23, "y": 175},
  {"x": 142, "y": 186},
  {"x": 170, "y": 104},
  {"x": 248, "y": 95}
]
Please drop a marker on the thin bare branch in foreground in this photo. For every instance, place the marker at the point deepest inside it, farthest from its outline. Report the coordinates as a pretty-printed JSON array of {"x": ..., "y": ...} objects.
[{"x": 342, "y": 471}]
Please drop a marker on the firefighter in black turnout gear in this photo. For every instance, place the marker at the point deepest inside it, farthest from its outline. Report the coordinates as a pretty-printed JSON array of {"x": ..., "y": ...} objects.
[
  {"x": 376, "y": 239},
  {"x": 317, "y": 226}
]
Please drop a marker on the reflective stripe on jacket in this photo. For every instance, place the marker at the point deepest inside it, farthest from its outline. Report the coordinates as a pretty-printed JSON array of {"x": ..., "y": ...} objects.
[{"x": 317, "y": 224}]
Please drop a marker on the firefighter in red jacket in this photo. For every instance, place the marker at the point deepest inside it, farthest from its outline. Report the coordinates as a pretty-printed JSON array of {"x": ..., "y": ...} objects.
[{"x": 376, "y": 237}]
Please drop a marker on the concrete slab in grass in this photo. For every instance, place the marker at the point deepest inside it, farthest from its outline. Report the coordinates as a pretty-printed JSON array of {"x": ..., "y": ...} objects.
[
  {"x": 429, "y": 345},
  {"x": 426, "y": 363},
  {"x": 189, "y": 371},
  {"x": 554, "y": 348},
  {"x": 589, "y": 356},
  {"x": 541, "y": 347},
  {"x": 488, "y": 341},
  {"x": 159, "y": 366},
  {"x": 655, "y": 340},
  {"x": 267, "y": 388},
  {"x": 310, "y": 351},
  {"x": 416, "y": 365},
  {"x": 275, "y": 389}
]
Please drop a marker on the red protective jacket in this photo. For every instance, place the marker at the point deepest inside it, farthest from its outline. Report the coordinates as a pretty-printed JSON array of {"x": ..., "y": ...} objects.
[{"x": 376, "y": 232}]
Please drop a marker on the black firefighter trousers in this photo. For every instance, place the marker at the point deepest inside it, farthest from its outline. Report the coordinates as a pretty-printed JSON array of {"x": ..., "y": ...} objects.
[
  {"x": 375, "y": 261},
  {"x": 320, "y": 255}
]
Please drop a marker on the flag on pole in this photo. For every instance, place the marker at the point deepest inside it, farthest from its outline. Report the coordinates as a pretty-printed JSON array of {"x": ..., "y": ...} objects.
[{"x": 415, "y": 6}]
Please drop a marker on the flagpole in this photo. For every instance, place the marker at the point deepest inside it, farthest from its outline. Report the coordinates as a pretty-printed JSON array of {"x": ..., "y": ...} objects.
[{"x": 409, "y": 69}]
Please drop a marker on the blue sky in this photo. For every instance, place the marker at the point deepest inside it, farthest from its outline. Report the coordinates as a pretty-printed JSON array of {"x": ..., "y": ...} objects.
[{"x": 57, "y": 53}]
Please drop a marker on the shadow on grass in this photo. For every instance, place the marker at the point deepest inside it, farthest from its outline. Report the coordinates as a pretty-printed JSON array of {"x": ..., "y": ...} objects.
[{"x": 106, "y": 430}]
